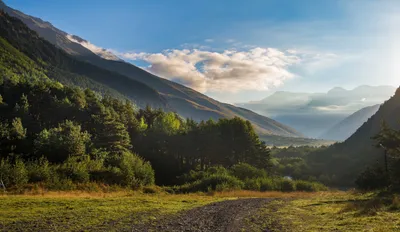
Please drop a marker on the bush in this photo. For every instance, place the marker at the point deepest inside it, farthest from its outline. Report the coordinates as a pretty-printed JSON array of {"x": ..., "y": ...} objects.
[
  {"x": 252, "y": 184},
  {"x": 267, "y": 184},
  {"x": 74, "y": 169},
  {"x": 214, "y": 182},
  {"x": 198, "y": 175},
  {"x": 287, "y": 185},
  {"x": 307, "y": 186},
  {"x": 219, "y": 170},
  {"x": 244, "y": 171},
  {"x": 17, "y": 175},
  {"x": 131, "y": 170},
  {"x": 39, "y": 171}
]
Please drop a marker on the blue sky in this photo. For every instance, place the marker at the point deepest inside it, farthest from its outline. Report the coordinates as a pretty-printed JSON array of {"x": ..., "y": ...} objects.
[{"x": 302, "y": 46}]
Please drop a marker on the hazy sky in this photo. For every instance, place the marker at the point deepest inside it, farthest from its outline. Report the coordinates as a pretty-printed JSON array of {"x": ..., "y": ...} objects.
[{"x": 237, "y": 51}]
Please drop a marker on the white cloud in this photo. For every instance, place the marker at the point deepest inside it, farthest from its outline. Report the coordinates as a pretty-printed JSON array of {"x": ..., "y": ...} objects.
[
  {"x": 102, "y": 52},
  {"x": 227, "y": 71},
  {"x": 208, "y": 40}
]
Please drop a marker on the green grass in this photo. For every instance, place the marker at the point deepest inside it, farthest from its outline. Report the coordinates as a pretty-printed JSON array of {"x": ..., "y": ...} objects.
[
  {"x": 69, "y": 212},
  {"x": 296, "y": 211},
  {"x": 331, "y": 212}
]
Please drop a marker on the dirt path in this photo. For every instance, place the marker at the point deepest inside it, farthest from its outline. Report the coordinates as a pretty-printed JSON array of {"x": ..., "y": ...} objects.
[{"x": 227, "y": 216}]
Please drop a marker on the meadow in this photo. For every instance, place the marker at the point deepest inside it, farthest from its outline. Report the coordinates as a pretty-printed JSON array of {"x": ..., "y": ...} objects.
[{"x": 121, "y": 210}]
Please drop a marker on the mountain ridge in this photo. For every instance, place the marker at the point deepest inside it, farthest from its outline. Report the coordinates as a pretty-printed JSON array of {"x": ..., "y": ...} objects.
[
  {"x": 185, "y": 101},
  {"x": 315, "y": 113},
  {"x": 345, "y": 160},
  {"x": 345, "y": 128}
]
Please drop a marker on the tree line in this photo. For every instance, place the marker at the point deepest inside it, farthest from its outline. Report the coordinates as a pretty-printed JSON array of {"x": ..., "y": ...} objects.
[{"x": 82, "y": 136}]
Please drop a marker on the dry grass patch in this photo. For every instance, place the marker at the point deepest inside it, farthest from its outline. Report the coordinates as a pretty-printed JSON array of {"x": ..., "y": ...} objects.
[{"x": 331, "y": 212}]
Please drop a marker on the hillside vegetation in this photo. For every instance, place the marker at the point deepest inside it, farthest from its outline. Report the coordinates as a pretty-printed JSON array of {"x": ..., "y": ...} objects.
[
  {"x": 175, "y": 97},
  {"x": 58, "y": 65},
  {"x": 56, "y": 134},
  {"x": 341, "y": 163}
]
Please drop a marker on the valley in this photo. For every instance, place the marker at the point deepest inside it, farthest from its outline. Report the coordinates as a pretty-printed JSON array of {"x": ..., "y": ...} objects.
[{"x": 142, "y": 138}]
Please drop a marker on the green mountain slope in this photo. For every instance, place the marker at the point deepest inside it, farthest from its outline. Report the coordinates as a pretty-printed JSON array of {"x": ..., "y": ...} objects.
[
  {"x": 183, "y": 100},
  {"x": 342, "y": 162},
  {"x": 60, "y": 66}
]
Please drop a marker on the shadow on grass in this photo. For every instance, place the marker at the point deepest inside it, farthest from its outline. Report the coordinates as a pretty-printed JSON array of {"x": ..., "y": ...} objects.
[
  {"x": 337, "y": 202},
  {"x": 371, "y": 207},
  {"x": 383, "y": 201}
]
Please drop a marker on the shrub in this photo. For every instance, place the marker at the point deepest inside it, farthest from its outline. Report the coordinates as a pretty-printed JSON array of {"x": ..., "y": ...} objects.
[
  {"x": 75, "y": 169},
  {"x": 267, "y": 184},
  {"x": 219, "y": 170},
  {"x": 39, "y": 171},
  {"x": 19, "y": 174},
  {"x": 252, "y": 184},
  {"x": 307, "y": 186},
  {"x": 198, "y": 175},
  {"x": 287, "y": 185},
  {"x": 244, "y": 171},
  {"x": 214, "y": 182},
  {"x": 130, "y": 170}
]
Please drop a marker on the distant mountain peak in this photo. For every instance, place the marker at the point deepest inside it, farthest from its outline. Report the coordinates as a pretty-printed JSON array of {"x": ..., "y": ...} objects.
[
  {"x": 345, "y": 128},
  {"x": 336, "y": 90}
]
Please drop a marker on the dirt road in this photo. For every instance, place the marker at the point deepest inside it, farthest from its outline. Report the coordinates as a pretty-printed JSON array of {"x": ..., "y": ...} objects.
[{"x": 227, "y": 216}]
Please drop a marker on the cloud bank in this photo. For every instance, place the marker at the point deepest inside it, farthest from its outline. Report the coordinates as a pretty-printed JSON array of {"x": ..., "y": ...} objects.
[
  {"x": 227, "y": 71},
  {"x": 230, "y": 71},
  {"x": 102, "y": 52}
]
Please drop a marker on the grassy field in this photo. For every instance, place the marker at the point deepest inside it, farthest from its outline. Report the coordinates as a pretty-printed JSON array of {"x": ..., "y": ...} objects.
[
  {"x": 332, "y": 212},
  {"x": 77, "y": 211},
  {"x": 80, "y": 211}
]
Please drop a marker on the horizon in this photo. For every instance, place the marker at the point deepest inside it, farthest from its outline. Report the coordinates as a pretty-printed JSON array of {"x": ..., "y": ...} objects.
[{"x": 301, "y": 52}]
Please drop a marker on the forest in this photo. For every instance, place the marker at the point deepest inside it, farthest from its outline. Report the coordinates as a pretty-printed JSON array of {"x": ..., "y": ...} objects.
[
  {"x": 62, "y": 135},
  {"x": 64, "y": 124}
]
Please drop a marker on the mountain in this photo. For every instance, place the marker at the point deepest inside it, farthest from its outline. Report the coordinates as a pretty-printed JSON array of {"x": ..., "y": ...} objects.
[
  {"x": 349, "y": 125},
  {"x": 60, "y": 66},
  {"x": 185, "y": 101},
  {"x": 342, "y": 162},
  {"x": 315, "y": 113}
]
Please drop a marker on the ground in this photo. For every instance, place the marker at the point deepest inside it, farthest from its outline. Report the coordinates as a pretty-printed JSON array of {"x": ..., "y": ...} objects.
[{"x": 229, "y": 211}]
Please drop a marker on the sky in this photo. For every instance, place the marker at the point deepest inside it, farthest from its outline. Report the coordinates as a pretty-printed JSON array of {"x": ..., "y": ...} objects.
[{"x": 237, "y": 51}]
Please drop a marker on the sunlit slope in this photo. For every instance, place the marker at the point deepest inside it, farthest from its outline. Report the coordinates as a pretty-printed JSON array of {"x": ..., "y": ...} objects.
[
  {"x": 60, "y": 66},
  {"x": 185, "y": 101}
]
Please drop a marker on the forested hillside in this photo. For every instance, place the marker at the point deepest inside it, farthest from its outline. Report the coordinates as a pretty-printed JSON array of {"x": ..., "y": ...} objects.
[
  {"x": 58, "y": 133},
  {"x": 61, "y": 67},
  {"x": 341, "y": 163},
  {"x": 178, "y": 98}
]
